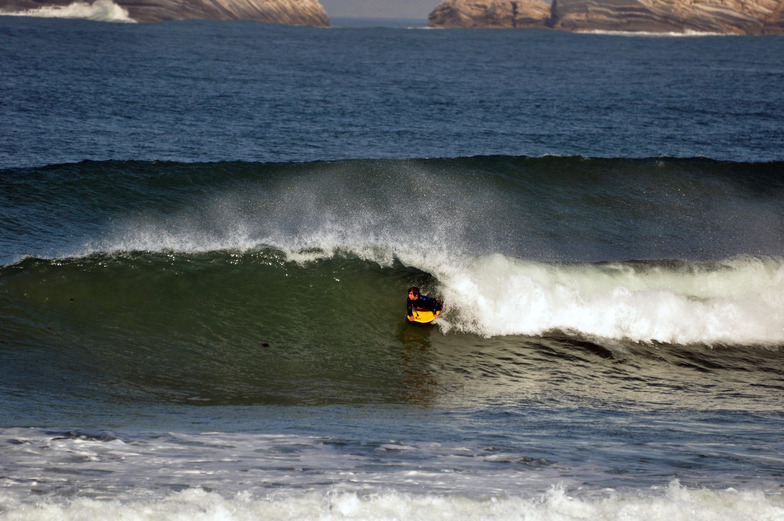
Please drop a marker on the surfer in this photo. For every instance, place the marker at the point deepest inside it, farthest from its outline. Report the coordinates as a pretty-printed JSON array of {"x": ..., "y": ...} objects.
[{"x": 419, "y": 302}]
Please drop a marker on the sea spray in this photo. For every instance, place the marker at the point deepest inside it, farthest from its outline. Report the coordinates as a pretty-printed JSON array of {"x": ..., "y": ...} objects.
[
  {"x": 98, "y": 11},
  {"x": 539, "y": 209}
]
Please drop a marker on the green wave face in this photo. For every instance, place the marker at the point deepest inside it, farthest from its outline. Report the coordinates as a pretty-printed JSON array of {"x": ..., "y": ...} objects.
[{"x": 217, "y": 327}]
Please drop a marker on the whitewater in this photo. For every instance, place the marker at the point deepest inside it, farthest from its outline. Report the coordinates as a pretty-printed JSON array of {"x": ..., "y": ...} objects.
[{"x": 97, "y": 11}]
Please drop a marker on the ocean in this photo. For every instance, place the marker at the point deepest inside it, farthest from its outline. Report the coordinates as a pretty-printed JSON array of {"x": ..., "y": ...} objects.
[{"x": 208, "y": 229}]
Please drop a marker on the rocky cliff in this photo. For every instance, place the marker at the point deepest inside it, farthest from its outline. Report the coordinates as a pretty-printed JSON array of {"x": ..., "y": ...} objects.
[
  {"x": 289, "y": 12},
  {"x": 490, "y": 13},
  {"x": 658, "y": 16},
  {"x": 713, "y": 16}
]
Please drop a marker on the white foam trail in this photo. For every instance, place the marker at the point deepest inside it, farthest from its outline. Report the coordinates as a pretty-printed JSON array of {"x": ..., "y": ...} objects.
[
  {"x": 689, "y": 33},
  {"x": 98, "y": 11},
  {"x": 736, "y": 301},
  {"x": 674, "y": 503}
]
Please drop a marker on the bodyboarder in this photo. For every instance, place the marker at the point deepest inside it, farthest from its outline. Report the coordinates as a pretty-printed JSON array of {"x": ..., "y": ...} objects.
[{"x": 419, "y": 302}]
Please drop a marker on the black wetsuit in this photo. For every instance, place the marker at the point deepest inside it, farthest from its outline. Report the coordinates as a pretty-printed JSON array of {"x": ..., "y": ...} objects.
[{"x": 420, "y": 304}]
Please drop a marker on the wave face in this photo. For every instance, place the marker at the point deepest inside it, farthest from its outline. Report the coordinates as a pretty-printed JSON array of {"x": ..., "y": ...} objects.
[{"x": 672, "y": 251}]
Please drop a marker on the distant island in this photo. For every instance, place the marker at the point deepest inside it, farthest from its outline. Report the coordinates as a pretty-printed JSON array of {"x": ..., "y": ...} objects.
[
  {"x": 754, "y": 17},
  {"x": 288, "y": 12}
]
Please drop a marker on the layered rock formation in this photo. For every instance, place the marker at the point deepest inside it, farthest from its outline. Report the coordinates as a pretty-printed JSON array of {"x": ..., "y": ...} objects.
[
  {"x": 712, "y": 16},
  {"x": 289, "y": 12},
  {"x": 490, "y": 13},
  {"x": 657, "y": 16}
]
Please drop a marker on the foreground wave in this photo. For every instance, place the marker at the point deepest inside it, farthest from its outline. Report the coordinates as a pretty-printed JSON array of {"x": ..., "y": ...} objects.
[
  {"x": 281, "y": 477},
  {"x": 679, "y": 503}
]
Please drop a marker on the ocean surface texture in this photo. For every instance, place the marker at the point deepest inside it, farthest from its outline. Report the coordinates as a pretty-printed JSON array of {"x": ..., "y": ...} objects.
[{"x": 207, "y": 230}]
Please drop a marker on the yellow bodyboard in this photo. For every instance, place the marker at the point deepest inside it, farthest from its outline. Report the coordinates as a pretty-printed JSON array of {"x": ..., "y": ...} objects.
[{"x": 424, "y": 316}]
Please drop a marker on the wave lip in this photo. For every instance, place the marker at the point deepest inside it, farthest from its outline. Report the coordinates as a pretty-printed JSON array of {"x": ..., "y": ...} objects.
[{"x": 98, "y": 11}]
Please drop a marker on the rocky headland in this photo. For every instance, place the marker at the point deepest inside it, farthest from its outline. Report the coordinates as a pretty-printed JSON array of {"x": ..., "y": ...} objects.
[
  {"x": 709, "y": 16},
  {"x": 490, "y": 14},
  {"x": 655, "y": 16},
  {"x": 288, "y": 12}
]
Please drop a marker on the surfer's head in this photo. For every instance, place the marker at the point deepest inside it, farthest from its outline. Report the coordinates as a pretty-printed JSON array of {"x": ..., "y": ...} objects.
[{"x": 413, "y": 292}]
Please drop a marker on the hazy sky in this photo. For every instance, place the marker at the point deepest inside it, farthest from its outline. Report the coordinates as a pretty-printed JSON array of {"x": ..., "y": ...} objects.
[{"x": 380, "y": 8}]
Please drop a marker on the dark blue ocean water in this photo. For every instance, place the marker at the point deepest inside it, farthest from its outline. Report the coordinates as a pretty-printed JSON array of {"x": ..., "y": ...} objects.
[
  {"x": 201, "y": 91},
  {"x": 207, "y": 230}
]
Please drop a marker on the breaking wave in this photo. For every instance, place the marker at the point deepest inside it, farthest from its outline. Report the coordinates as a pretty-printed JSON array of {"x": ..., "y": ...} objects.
[{"x": 98, "y": 11}]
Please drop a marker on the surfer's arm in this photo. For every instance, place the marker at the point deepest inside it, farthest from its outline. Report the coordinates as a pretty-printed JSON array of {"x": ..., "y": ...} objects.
[{"x": 430, "y": 301}]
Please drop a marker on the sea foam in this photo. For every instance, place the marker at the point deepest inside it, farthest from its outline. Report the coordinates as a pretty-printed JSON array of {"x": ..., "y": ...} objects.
[
  {"x": 98, "y": 11},
  {"x": 673, "y": 503}
]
